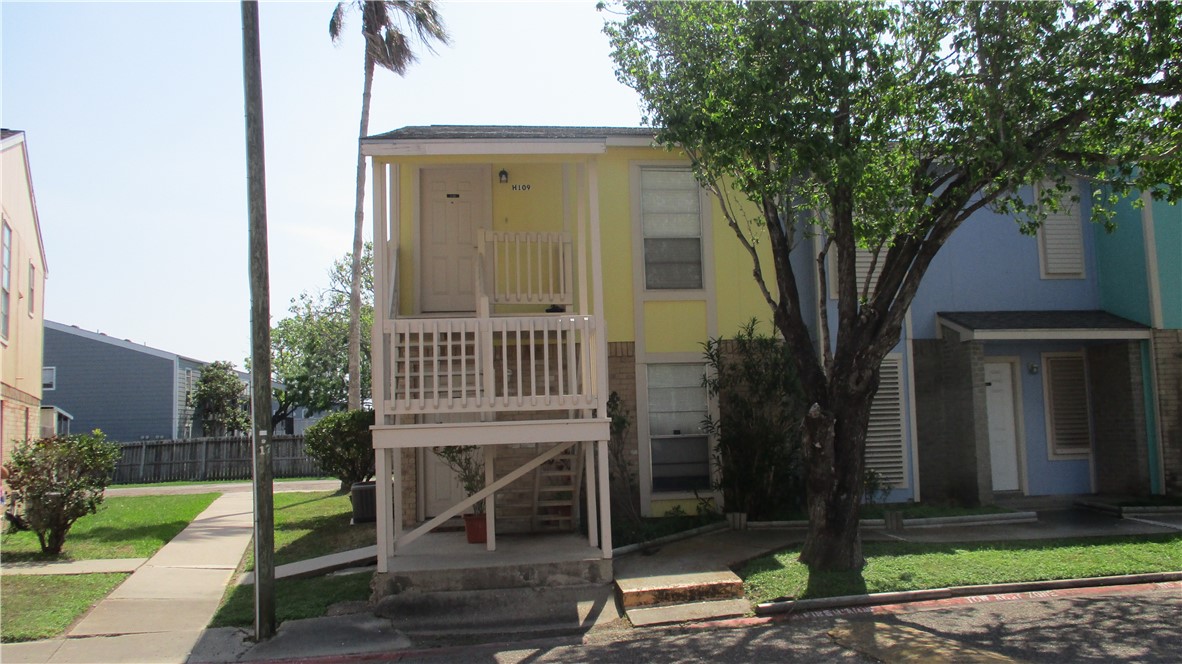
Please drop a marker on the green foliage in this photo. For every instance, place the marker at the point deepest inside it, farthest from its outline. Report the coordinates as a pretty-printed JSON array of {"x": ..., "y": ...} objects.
[
  {"x": 309, "y": 348},
  {"x": 622, "y": 474},
  {"x": 467, "y": 462},
  {"x": 125, "y": 527},
  {"x": 343, "y": 445},
  {"x": 219, "y": 399},
  {"x": 884, "y": 127},
  {"x": 757, "y": 452},
  {"x": 59, "y": 479}
]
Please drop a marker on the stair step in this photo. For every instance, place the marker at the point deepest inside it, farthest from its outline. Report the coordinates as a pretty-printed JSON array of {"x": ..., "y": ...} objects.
[
  {"x": 692, "y": 612},
  {"x": 679, "y": 588}
]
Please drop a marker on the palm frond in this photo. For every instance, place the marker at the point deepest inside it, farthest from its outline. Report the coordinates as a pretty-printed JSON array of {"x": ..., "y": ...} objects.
[
  {"x": 385, "y": 25},
  {"x": 336, "y": 24}
]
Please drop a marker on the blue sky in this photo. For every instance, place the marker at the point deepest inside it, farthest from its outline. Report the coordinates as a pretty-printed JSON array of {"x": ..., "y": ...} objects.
[{"x": 134, "y": 121}]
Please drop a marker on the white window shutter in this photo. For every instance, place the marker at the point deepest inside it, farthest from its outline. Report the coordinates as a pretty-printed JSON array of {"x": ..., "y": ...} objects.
[
  {"x": 1068, "y": 424},
  {"x": 862, "y": 260},
  {"x": 884, "y": 433},
  {"x": 1060, "y": 240}
]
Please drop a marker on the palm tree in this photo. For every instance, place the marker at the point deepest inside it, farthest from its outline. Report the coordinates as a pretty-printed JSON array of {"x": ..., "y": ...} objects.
[{"x": 387, "y": 45}]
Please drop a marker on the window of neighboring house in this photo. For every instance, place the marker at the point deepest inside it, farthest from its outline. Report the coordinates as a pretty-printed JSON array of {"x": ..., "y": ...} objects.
[
  {"x": 671, "y": 225},
  {"x": 49, "y": 378},
  {"x": 884, "y": 432},
  {"x": 5, "y": 277},
  {"x": 1060, "y": 238},
  {"x": 32, "y": 288},
  {"x": 1065, "y": 387},
  {"x": 862, "y": 260},
  {"x": 676, "y": 407}
]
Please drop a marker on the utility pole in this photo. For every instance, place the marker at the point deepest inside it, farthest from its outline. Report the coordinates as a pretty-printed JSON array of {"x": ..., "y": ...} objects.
[{"x": 260, "y": 329}]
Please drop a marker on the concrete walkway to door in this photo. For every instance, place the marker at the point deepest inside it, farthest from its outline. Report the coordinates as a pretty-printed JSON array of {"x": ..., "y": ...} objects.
[{"x": 160, "y": 612}]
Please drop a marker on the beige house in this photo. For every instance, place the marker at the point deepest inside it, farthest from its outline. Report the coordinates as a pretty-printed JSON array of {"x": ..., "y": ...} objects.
[{"x": 22, "y": 295}]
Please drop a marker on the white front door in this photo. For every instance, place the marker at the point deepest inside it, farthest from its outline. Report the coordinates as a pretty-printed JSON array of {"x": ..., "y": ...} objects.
[
  {"x": 1003, "y": 432},
  {"x": 455, "y": 206}
]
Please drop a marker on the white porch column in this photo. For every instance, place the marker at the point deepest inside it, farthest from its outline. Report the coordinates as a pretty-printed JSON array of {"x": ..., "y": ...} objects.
[
  {"x": 581, "y": 234},
  {"x": 592, "y": 500},
  {"x": 605, "y": 493},
  {"x": 385, "y": 515},
  {"x": 490, "y": 505}
]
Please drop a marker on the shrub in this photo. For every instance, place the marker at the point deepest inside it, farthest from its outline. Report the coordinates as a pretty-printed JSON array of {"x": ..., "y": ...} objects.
[
  {"x": 57, "y": 480},
  {"x": 343, "y": 446},
  {"x": 757, "y": 455}
]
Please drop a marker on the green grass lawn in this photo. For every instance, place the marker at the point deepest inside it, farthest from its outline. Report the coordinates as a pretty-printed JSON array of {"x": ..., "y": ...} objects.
[
  {"x": 123, "y": 527},
  {"x": 895, "y": 566},
  {"x": 308, "y": 525},
  {"x": 27, "y": 615},
  {"x": 294, "y": 598}
]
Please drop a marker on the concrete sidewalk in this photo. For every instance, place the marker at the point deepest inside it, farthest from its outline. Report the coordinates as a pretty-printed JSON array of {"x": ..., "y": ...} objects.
[{"x": 160, "y": 612}]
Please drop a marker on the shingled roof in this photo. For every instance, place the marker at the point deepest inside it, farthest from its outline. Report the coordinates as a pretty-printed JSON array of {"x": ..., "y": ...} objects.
[
  {"x": 507, "y": 132},
  {"x": 1071, "y": 324}
]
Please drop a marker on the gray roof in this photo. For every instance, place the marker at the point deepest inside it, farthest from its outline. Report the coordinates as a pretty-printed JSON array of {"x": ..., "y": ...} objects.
[
  {"x": 5, "y": 133},
  {"x": 495, "y": 132},
  {"x": 1040, "y": 320}
]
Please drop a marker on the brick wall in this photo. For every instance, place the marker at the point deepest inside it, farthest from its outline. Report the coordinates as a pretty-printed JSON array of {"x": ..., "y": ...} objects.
[
  {"x": 21, "y": 419},
  {"x": 1168, "y": 347},
  {"x": 1119, "y": 447},
  {"x": 951, "y": 425},
  {"x": 621, "y": 372}
]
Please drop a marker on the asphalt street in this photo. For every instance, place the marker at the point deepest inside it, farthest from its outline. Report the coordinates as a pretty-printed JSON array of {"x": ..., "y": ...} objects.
[{"x": 1143, "y": 626}]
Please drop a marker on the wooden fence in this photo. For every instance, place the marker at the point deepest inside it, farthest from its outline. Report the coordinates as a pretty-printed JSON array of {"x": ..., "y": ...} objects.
[{"x": 198, "y": 459}]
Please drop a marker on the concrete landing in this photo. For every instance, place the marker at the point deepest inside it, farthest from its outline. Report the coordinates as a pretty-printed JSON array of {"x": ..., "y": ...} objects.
[{"x": 691, "y": 612}]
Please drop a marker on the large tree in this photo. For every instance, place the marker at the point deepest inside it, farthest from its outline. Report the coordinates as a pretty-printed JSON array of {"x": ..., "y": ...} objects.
[
  {"x": 309, "y": 350},
  {"x": 389, "y": 28},
  {"x": 882, "y": 128}
]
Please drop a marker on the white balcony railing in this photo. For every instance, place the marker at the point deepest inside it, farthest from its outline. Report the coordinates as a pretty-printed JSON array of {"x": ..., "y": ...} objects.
[
  {"x": 528, "y": 268},
  {"x": 515, "y": 363}
]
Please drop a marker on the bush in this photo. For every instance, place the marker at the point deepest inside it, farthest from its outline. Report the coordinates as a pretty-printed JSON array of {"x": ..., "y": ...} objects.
[
  {"x": 343, "y": 446},
  {"x": 57, "y": 480},
  {"x": 758, "y": 455}
]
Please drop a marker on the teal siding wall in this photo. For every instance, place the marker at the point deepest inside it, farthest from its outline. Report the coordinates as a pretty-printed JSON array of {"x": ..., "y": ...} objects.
[
  {"x": 1167, "y": 230},
  {"x": 1120, "y": 256}
]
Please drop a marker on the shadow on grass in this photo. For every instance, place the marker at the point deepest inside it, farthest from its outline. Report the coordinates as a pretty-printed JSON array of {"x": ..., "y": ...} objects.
[
  {"x": 24, "y": 547},
  {"x": 294, "y": 598}
]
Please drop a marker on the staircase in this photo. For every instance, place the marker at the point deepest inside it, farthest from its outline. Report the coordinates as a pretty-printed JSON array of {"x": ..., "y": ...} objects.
[
  {"x": 546, "y": 500},
  {"x": 681, "y": 598}
]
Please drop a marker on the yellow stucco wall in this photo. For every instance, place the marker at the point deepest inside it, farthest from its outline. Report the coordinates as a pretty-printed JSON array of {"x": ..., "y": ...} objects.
[{"x": 669, "y": 327}]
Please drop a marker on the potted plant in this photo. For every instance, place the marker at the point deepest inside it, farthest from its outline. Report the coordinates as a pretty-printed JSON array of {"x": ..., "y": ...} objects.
[{"x": 467, "y": 462}]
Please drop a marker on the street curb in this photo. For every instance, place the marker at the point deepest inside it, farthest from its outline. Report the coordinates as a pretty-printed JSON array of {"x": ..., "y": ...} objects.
[
  {"x": 928, "y": 522},
  {"x": 792, "y": 606}
]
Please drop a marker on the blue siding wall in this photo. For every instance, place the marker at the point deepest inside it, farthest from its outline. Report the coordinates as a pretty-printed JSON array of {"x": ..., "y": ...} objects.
[
  {"x": 1167, "y": 228},
  {"x": 127, "y": 394},
  {"x": 987, "y": 265}
]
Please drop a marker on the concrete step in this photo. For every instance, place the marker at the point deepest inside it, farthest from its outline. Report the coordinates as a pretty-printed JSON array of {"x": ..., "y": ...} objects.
[
  {"x": 549, "y": 610},
  {"x": 494, "y": 577},
  {"x": 679, "y": 589},
  {"x": 684, "y": 613}
]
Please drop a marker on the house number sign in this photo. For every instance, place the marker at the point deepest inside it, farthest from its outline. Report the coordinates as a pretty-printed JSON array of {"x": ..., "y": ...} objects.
[{"x": 520, "y": 187}]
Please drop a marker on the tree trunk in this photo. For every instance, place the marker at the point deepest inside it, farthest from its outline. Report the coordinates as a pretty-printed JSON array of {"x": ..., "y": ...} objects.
[
  {"x": 835, "y": 445},
  {"x": 354, "y": 398}
]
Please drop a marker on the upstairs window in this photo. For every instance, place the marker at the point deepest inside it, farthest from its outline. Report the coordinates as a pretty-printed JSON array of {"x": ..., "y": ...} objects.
[
  {"x": 671, "y": 224},
  {"x": 48, "y": 378},
  {"x": 32, "y": 289},
  {"x": 1060, "y": 238},
  {"x": 5, "y": 277}
]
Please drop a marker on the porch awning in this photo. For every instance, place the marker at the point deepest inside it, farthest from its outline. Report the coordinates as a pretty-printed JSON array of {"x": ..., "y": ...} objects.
[{"x": 1041, "y": 325}]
